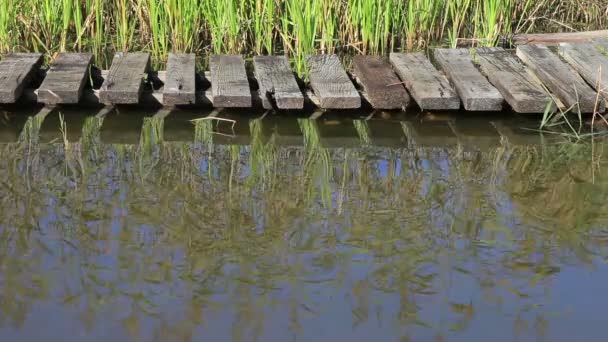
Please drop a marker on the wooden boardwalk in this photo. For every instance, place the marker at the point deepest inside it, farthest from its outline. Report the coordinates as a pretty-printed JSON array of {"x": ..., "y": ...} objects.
[{"x": 572, "y": 75}]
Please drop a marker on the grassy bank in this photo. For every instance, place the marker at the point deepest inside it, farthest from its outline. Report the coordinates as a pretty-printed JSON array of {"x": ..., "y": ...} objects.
[{"x": 296, "y": 27}]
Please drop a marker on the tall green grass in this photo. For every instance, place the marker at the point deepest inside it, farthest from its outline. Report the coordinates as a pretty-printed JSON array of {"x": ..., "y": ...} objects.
[{"x": 293, "y": 27}]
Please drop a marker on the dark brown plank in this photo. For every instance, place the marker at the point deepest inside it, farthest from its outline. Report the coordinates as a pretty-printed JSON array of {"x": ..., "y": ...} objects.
[
  {"x": 124, "y": 83},
  {"x": 559, "y": 78},
  {"x": 16, "y": 72},
  {"x": 180, "y": 82},
  {"x": 590, "y": 61},
  {"x": 426, "y": 85},
  {"x": 276, "y": 79},
  {"x": 65, "y": 79},
  {"x": 475, "y": 91},
  {"x": 331, "y": 84},
  {"x": 229, "y": 84},
  {"x": 384, "y": 89},
  {"x": 520, "y": 89}
]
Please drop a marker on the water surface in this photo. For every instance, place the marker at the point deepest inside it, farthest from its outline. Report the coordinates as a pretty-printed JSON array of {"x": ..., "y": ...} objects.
[{"x": 131, "y": 228}]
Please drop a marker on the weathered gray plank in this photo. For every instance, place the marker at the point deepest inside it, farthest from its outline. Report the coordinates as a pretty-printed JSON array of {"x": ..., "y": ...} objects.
[
  {"x": 475, "y": 91},
  {"x": 124, "y": 83},
  {"x": 558, "y": 77},
  {"x": 180, "y": 82},
  {"x": 384, "y": 89},
  {"x": 331, "y": 84},
  {"x": 229, "y": 84},
  {"x": 16, "y": 72},
  {"x": 426, "y": 85},
  {"x": 589, "y": 60},
  {"x": 65, "y": 79},
  {"x": 520, "y": 89},
  {"x": 275, "y": 78}
]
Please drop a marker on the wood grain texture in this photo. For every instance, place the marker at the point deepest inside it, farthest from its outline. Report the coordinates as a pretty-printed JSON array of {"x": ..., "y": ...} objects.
[
  {"x": 65, "y": 79},
  {"x": 590, "y": 61},
  {"x": 331, "y": 84},
  {"x": 124, "y": 83},
  {"x": 475, "y": 91},
  {"x": 16, "y": 72},
  {"x": 180, "y": 81},
  {"x": 229, "y": 84},
  {"x": 523, "y": 92},
  {"x": 384, "y": 89},
  {"x": 426, "y": 85},
  {"x": 276, "y": 80},
  {"x": 559, "y": 78}
]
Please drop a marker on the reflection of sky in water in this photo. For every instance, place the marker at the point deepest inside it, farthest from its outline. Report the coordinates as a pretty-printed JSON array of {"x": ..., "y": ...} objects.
[{"x": 124, "y": 255}]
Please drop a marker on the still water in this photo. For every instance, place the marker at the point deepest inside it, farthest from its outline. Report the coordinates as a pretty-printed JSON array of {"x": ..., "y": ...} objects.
[{"x": 130, "y": 228}]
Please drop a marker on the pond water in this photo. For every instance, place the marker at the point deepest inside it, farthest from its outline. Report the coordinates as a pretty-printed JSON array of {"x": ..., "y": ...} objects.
[{"x": 130, "y": 228}]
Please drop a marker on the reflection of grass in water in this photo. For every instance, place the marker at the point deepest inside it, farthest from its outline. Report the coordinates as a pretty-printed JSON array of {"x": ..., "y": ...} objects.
[
  {"x": 203, "y": 132},
  {"x": 262, "y": 157},
  {"x": 318, "y": 165},
  {"x": 363, "y": 129}
]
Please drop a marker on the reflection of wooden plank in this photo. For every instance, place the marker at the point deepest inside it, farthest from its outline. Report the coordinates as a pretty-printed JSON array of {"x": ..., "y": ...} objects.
[
  {"x": 476, "y": 93},
  {"x": 11, "y": 124},
  {"x": 426, "y": 85},
  {"x": 559, "y": 78},
  {"x": 231, "y": 133},
  {"x": 518, "y": 133},
  {"x": 50, "y": 130},
  {"x": 65, "y": 79},
  {"x": 180, "y": 85},
  {"x": 386, "y": 133},
  {"x": 16, "y": 72},
  {"x": 520, "y": 89},
  {"x": 283, "y": 131},
  {"x": 475, "y": 135},
  {"x": 331, "y": 84},
  {"x": 337, "y": 133},
  {"x": 124, "y": 83},
  {"x": 384, "y": 89},
  {"x": 179, "y": 127},
  {"x": 430, "y": 133},
  {"x": 122, "y": 128},
  {"x": 275, "y": 78},
  {"x": 589, "y": 61},
  {"x": 229, "y": 84}
]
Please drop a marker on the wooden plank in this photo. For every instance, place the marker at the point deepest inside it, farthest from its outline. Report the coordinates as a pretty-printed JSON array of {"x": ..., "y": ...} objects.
[
  {"x": 65, "y": 79},
  {"x": 475, "y": 91},
  {"x": 331, "y": 84},
  {"x": 180, "y": 81},
  {"x": 229, "y": 84},
  {"x": 384, "y": 89},
  {"x": 589, "y": 60},
  {"x": 275, "y": 78},
  {"x": 16, "y": 72},
  {"x": 426, "y": 85},
  {"x": 523, "y": 92},
  {"x": 559, "y": 78},
  {"x": 556, "y": 38},
  {"x": 124, "y": 83}
]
